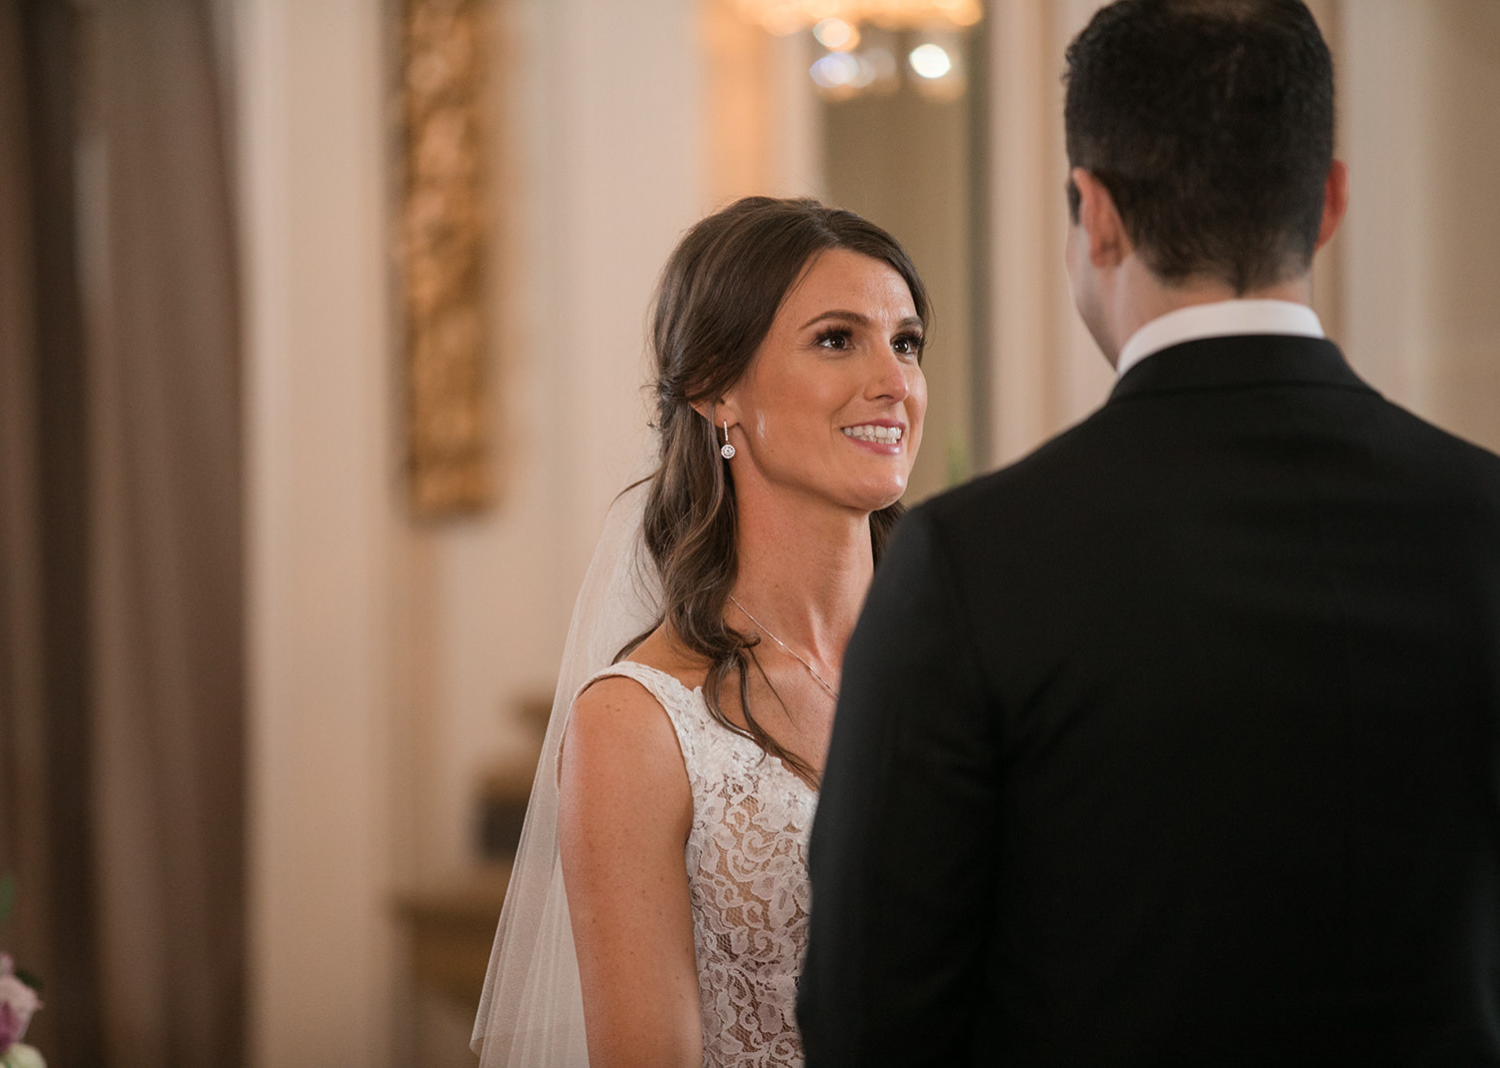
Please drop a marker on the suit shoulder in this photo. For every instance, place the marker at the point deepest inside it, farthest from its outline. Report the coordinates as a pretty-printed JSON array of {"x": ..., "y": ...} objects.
[
  {"x": 1470, "y": 469},
  {"x": 1038, "y": 472}
]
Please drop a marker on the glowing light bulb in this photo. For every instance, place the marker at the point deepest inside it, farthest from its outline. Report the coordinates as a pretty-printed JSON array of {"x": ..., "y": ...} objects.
[
  {"x": 836, "y": 35},
  {"x": 836, "y": 70},
  {"x": 930, "y": 61}
]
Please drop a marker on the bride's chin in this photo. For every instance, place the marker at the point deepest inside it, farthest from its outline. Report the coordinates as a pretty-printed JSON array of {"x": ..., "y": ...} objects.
[
  {"x": 876, "y": 499},
  {"x": 859, "y": 495}
]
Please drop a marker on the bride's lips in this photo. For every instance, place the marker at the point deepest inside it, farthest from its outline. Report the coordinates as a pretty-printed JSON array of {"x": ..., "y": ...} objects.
[{"x": 884, "y": 436}]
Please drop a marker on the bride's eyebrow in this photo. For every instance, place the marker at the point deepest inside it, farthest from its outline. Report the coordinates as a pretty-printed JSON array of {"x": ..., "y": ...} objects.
[
  {"x": 857, "y": 319},
  {"x": 839, "y": 316}
]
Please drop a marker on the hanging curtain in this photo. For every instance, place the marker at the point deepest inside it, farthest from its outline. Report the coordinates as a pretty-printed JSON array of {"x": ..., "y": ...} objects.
[{"x": 122, "y": 705}]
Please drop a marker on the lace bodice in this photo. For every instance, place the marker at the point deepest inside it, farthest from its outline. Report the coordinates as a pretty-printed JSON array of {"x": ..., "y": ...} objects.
[{"x": 747, "y": 876}]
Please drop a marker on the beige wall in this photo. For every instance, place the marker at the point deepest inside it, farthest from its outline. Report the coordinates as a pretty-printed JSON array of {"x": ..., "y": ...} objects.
[
  {"x": 1422, "y": 241},
  {"x": 1465, "y": 233},
  {"x": 1046, "y": 373},
  {"x": 323, "y": 533}
]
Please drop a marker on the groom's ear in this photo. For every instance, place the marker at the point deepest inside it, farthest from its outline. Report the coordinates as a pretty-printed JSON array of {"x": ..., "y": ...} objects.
[
  {"x": 1108, "y": 243},
  {"x": 1335, "y": 202}
]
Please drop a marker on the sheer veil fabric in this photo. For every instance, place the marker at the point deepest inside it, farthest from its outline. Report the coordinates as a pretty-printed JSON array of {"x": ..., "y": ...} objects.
[{"x": 531, "y": 1013}]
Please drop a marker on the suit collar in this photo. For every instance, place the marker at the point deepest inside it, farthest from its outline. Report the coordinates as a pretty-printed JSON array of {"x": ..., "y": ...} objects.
[
  {"x": 1220, "y": 318},
  {"x": 1244, "y": 360}
]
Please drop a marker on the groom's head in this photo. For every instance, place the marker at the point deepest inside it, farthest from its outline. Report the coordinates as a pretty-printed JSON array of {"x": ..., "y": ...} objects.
[{"x": 1210, "y": 125}]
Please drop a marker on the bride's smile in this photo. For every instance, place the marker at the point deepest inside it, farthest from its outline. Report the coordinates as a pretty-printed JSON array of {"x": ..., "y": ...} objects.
[{"x": 883, "y": 434}]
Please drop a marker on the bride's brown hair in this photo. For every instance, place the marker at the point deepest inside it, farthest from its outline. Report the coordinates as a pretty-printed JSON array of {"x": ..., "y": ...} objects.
[{"x": 718, "y": 296}]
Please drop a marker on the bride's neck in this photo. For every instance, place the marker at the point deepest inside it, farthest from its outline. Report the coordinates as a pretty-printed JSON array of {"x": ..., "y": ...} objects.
[{"x": 804, "y": 572}]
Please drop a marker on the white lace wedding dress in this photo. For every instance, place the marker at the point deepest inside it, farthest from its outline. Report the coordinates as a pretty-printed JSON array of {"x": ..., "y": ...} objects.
[{"x": 747, "y": 875}]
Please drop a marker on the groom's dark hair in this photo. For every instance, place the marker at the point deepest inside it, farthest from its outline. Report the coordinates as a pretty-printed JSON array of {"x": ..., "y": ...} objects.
[{"x": 1210, "y": 122}]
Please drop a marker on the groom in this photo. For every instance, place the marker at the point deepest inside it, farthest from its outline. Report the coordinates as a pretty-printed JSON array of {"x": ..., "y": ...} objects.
[{"x": 1178, "y": 742}]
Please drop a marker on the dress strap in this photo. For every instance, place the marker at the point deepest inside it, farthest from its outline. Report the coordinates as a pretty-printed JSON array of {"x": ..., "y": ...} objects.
[{"x": 682, "y": 705}]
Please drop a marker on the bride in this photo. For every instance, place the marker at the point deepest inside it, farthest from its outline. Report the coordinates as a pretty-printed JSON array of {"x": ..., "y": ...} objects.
[{"x": 658, "y": 909}]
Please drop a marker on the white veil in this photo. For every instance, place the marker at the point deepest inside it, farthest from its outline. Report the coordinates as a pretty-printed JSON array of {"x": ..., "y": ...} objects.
[{"x": 531, "y": 1013}]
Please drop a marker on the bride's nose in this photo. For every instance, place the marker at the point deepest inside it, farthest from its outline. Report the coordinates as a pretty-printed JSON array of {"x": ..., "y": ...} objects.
[{"x": 890, "y": 378}]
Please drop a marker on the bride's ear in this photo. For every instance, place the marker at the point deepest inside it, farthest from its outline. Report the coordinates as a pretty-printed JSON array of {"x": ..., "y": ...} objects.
[{"x": 717, "y": 411}]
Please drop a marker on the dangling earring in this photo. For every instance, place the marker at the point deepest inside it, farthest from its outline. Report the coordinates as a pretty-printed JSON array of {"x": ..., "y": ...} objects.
[{"x": 728, "y": 450}]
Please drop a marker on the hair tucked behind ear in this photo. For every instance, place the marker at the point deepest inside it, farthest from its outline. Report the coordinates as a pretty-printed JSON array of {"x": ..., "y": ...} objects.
[{"x": 718, "y": 296}]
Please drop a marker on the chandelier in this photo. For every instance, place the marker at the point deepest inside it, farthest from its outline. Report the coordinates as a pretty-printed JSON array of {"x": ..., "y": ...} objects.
[
  {"x": 789, "y": 16},
  {"x": 865, "y": 41}
]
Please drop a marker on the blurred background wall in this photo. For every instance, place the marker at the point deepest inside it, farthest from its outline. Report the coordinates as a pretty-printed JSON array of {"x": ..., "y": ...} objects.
[{"x": 360, "y": 738}]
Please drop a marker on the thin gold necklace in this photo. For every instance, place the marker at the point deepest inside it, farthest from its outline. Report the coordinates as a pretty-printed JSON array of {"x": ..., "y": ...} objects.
[{"x": 767, "y": 631}]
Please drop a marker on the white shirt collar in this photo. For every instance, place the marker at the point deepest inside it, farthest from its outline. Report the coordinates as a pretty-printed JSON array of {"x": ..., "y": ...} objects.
[{"x": 1225, "y": 318}]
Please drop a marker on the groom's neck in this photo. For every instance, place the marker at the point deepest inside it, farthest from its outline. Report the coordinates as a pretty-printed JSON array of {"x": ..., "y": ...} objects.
[{"x": 1140, "y": 295}]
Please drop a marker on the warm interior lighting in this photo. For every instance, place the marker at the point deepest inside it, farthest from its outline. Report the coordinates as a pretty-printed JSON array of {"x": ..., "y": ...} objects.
[
  {"x": 837, "y": 70},
  {"x": 789, "y": 16},
  {"x": 843, "y": 74},
  {"x": 863, "y": 38},
  {"x": 836, "y": 35},
  {"x": 930, "y": 60}
]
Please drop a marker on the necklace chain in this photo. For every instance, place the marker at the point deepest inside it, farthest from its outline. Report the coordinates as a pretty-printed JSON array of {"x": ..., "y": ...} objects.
[{"x": 767, "y": 631}]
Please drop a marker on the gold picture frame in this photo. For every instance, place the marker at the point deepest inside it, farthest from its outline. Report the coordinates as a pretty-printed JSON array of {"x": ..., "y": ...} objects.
[{"x": 443, "y": 229}]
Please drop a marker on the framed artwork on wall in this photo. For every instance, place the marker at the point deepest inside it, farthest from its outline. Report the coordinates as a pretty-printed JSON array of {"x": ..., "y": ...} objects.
[{"x": 443, "y": 233}]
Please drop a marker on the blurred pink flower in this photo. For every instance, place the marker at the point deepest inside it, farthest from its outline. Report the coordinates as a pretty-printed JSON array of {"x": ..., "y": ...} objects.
[{"x": 17, "y": 1002}]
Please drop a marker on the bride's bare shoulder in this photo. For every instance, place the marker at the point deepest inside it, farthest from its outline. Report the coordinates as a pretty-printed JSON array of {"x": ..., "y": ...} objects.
[
  {"x": 620, "y": 743},
  {"x": 617, "y": 704}
]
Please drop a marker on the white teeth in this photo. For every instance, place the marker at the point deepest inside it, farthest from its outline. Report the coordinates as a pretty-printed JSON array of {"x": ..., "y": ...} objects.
[{"x": 883, "y": 435}]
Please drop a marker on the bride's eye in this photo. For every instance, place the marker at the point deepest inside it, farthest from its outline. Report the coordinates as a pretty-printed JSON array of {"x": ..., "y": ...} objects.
[
  {"x": 908, "y": 345},
  {"x": 837, "y": 338}
]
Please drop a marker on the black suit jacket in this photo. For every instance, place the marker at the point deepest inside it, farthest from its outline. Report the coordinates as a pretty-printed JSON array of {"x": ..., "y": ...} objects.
[{"x": 1177, "y": 743}]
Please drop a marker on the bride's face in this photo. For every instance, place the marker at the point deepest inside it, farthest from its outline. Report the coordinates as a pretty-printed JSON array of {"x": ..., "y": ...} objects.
[{"x": 831, "y": 405}]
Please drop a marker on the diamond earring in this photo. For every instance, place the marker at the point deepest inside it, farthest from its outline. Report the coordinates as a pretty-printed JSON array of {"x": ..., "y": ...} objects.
[{"x": 728, "y": 450}]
